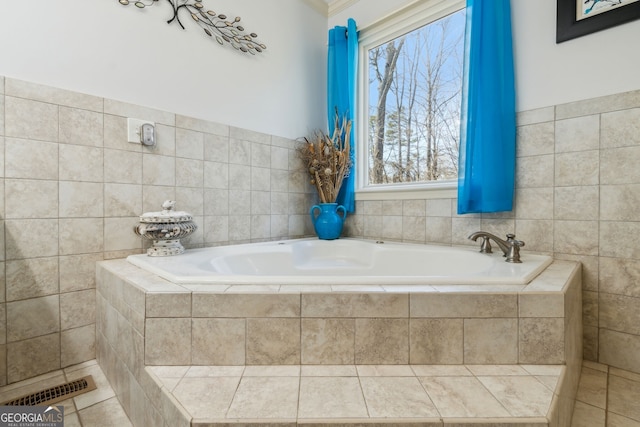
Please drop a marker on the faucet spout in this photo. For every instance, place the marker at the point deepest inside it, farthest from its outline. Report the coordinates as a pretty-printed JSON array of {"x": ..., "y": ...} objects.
[{"x": 510, "y": 247}]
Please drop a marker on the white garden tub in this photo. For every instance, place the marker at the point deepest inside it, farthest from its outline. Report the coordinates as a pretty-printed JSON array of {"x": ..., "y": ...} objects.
[{"x": 341, "y": 262}]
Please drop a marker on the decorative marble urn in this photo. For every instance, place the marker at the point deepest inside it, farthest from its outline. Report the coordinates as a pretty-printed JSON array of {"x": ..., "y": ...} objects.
[{"x": 165, "y": 228}]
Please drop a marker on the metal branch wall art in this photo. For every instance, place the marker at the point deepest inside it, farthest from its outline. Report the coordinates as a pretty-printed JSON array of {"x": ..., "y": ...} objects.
[{"x": 214, "y": 25}]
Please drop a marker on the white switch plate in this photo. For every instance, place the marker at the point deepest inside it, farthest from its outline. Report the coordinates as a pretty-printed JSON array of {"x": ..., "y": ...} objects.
[{"x": 133, "y": 129}]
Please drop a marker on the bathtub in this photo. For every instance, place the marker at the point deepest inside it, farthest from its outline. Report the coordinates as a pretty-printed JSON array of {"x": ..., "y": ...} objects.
[{"x": 341, "y": 262}]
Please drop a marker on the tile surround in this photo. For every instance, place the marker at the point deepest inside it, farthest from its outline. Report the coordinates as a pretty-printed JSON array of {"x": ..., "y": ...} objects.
[
  {"x": 577, "y": 188},
  {"x": 607, "y": 268},
  {"x": 72, "y": 188}
]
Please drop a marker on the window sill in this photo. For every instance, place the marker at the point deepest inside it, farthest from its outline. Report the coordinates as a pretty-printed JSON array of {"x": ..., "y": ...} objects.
[{"x": 447, "y": 190}]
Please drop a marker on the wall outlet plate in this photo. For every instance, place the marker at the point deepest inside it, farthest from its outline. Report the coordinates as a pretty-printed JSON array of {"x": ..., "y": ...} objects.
[{"x": 133, "y": 129}]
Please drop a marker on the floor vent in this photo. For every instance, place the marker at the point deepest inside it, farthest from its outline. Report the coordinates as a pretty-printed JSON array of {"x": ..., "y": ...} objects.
[{"x": 55, "y": 394}]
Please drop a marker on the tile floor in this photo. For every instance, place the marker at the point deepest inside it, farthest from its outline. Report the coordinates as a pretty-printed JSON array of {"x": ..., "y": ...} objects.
[
  {"x": 607, "y": 397},
  {"x": 96, "y": 408}
]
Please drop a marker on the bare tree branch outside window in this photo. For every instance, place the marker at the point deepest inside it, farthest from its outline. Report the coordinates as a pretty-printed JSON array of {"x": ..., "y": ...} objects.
[{"x": 415, "y": 87}]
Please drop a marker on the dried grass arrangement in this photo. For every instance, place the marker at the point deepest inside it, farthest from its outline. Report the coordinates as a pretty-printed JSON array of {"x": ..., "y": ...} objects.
[{"x": 327, "y": 159}]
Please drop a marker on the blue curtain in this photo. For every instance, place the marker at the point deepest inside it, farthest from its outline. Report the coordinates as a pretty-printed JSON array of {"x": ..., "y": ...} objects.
[
  {"x": 488, "y": 123},
  {"x": 341, "y": 94}
]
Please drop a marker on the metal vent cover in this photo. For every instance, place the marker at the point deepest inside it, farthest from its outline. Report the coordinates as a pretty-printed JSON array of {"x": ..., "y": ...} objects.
[{"x": 55, "y": 394}]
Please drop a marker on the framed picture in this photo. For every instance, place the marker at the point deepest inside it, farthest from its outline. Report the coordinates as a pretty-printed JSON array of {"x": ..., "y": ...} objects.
[{"x": 576, "y": 18}]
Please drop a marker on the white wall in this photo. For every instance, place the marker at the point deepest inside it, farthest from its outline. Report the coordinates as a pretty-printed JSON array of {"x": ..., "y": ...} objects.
[
  {"x": 105, "y": 49},
  {"x": 602, "y": 63}
]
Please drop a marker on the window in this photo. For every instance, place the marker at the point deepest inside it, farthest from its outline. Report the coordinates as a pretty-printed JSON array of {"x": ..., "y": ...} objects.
[{"x": 410, "y": 89}]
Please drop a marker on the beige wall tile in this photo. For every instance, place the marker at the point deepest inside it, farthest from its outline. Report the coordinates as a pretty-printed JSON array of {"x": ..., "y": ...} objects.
[
  {"x": 81, "y": 235},
  {"x": 392, "y": 227},
  {"x": 81, "y": 127},
  {"x": 201, "y": 125},
  {"x": 618, "y": 239},
  {"x": 577, "y": 203},
  {"x": 619, "y": 349},
  {"x": 119, "y": 235},
  {"x": 535, "y": 171},
  {"x": 614, "y": 160},
  {"x": 414, "y": 228},
  {"x": 621, "y": 128},
  {"x": 32, "y": 318},
  {"x": 546, "y": 114},
  {"x": 382, "y": 341},
  {"x": 600, "y": 104},
  {"x": 579, "y": 168},
  {"x": 120, "y": 108},
  {"x": 77, "y": 345},
  {"x": 619, "y": 276},
  {"x": 577, "y": 134},
  {"x": 272, "y": 341},
  {"x": 189, "y": 173},
  {"x": 537, "y": 234},
  {"x": 78, "y": 272},
  {"x": 2, "y": 118},
  {"x": 31, "y": 199},
  {"x": 218, "y": 175},
  {"x": 170, "y": 304},
  {"x": 81, "y": 199},
  {"x": 189, "y": 144},
  {"x": 216, "y": 148},
  {"x": 619, "y": 202},
  {"x": 158, "y": 170},
  {"x": 576, "y": 237},
  {"x": 80, "y": 163},
  {"x": 25, "y": 359},
  {"x": 461, "y": 305},
  {"x": 122, "y": 200},
  {"x": 218, "y": 341},
  {"x": 590, "y": 308},
  {"x": 541, "y": 305},
  {"x": 167, "y": 341},
  {"x": 438, "y": 230},
  {"x": 25, "y": 118},
  {"x": 620, "y": 313},
  {"x": 535, "y": 139},
  {"x": 328, "y": 341},
  {"x": 239, "y": 152},
  {"x": 355, "y": 305},
  {"x": 216, "y": 229},
  {"x": 542, "y": 341},
  {"x": 261, "y": 152},
  {"x": 436, "y": 341},
  {"x": 122, "y": 167},
  {"x": 21, "y": 163},
  {"x": 115, "y": 134},
  {"x": 29, "y": 278},
  {"x": 493, "y": 341},
  {"x": 52, "y": 95},
  {"x": 534, "y": 203},
  {"x": 31, "y": 238},
  {"x": 77, "y": 309},
  {"x": 463, "y": 397},
  {"x": 153, "y": 196}
]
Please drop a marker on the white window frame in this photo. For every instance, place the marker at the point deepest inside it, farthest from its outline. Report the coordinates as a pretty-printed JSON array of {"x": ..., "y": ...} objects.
[{"x": 415, "y": 15}]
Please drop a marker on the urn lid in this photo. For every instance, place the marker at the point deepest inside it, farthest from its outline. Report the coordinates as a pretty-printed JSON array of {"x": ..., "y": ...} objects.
[{"x": 167, "y": 215}]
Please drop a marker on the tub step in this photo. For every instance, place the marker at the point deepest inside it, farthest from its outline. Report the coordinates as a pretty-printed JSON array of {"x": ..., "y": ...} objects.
[{"x": 375, "y": 395}]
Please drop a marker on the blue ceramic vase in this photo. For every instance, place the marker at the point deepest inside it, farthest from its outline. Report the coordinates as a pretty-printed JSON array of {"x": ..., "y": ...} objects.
[{"x": 327, "y": 220}]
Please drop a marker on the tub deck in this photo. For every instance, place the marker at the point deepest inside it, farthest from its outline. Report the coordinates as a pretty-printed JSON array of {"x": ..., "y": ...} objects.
[{"x": 183, "y": 355}]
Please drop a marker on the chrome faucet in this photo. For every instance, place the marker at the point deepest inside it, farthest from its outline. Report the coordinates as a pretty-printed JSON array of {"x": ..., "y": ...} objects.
[{"x": 510, "y": 247}]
